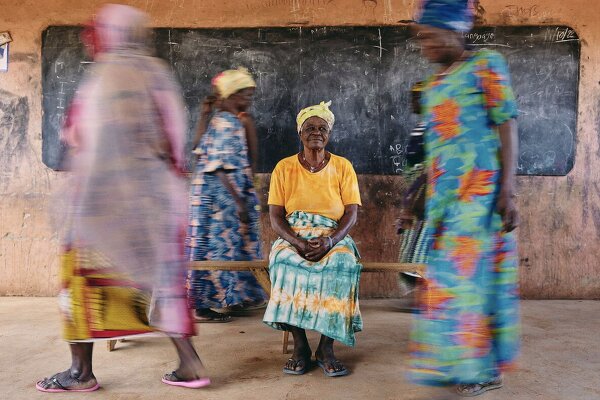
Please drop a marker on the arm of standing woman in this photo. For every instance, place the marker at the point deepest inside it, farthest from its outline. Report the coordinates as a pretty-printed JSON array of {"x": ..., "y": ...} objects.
[
  {"x": 241, "y": 205},
  {"x": 319, "y": 247},
  {"x": 167, "y": 97},
  {"x": 502, "y": 111},
  {"x": 251, "y": 139},
  {"x": 205, "y": 111},
  {"x": 508, "y": 156}
]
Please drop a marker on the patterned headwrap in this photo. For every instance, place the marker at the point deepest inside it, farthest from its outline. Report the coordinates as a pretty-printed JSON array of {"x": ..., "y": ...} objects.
[
  {"x": 454, "y": 15},
  {"x": 321, "y": 110},
  {"x": 232, "y": 81}
]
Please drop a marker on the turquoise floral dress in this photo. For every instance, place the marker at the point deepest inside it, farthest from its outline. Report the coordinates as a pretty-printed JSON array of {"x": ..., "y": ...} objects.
[{"x": 468, "y": 328}]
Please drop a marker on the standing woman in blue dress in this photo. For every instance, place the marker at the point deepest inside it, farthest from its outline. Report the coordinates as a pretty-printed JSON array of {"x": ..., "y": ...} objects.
[{"x": 224, "y": 213}]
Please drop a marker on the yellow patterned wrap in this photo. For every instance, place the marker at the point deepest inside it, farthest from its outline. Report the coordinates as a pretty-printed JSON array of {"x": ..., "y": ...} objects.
[{"x": 232, "y": 81}]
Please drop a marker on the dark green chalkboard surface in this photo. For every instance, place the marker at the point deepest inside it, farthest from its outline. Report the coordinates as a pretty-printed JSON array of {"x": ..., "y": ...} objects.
[{"x": 367, "y": 73}]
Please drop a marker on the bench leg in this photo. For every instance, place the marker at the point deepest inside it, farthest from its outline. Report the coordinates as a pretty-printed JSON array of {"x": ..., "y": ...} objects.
[
  {"x": 286, "y": 341},
  {"x": 110, "y": 345},
  {"x": 262, "y": 276}
]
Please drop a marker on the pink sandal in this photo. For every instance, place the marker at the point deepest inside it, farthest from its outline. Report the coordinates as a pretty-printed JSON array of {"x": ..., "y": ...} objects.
[{"x": 173, "y": 380}]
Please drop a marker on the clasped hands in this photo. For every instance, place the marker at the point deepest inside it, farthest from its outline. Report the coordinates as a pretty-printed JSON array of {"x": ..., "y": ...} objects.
[{"x": 314, "y": 249}]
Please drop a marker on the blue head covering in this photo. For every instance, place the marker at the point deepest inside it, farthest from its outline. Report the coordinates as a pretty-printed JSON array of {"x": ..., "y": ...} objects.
[{"x": 454, "y": 15}]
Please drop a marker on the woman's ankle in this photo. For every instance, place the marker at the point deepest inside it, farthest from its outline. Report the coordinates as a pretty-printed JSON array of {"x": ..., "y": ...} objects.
[{"x": 83, "y": 374}]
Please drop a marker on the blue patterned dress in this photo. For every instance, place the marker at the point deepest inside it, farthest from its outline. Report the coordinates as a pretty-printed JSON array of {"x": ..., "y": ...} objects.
[{"x": 215, "y": 231}]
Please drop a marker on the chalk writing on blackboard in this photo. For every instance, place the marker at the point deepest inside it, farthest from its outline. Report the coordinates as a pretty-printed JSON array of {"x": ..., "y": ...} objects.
[
  {"x": 477, "y": 37},
  {"x": 483, "y": 39},
  {"x": 560, "y": 34},
  {"x": 398, "y": 157}
]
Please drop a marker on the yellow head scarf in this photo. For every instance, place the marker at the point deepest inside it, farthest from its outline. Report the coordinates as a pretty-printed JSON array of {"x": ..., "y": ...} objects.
[
  {"x": 321, "y": 110},
  {"x": 233, "y": 80}
]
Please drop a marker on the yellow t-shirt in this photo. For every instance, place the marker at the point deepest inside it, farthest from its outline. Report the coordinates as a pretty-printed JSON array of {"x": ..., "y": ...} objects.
[{"x": 325, "y": 192}]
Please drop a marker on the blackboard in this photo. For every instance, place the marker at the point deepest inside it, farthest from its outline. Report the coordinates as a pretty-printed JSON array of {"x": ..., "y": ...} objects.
[{"x": 367, "y": 73}]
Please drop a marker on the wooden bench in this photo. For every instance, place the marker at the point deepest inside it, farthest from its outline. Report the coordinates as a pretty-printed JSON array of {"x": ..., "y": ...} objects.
[{"x": 260, "y": 269}]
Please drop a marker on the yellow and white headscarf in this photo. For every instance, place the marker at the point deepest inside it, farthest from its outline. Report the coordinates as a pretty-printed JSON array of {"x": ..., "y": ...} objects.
[
  {"x": 233, "y": 80},
  {"x": 321, "y": 110}
]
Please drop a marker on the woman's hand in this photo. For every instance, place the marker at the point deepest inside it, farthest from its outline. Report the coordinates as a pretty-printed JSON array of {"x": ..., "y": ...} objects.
[
  {"x": 508, "y": 210},
  {"x": 301, "y": 246},
  {"x": 207, "y": 105},
  {"x": 312, "y": 249},
  {"x": 206, "y": 109},
  {"x": 243, "y": 213},
  {"x": 508, "y": 155},
  {"x": 404, "y": 221},
  {"x": 242, "y": 207},
  {"x": 317, "y": 248}
]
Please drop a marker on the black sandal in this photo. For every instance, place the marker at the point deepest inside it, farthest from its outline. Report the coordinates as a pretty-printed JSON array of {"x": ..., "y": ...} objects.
[
  {"x": 301, "y": 371},
  {"x": 212, "y": 317},
  {"x": 475, "y": 389},
  {"x": 52, "y": 385},
  {"x": 335, "y": 363}
]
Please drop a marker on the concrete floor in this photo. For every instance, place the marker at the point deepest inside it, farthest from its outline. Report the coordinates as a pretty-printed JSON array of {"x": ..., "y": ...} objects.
[{"x": 561, "y": 358}]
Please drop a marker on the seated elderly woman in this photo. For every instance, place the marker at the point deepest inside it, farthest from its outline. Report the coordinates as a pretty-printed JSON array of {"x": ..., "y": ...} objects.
[{"x": 314, "y": 269}]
